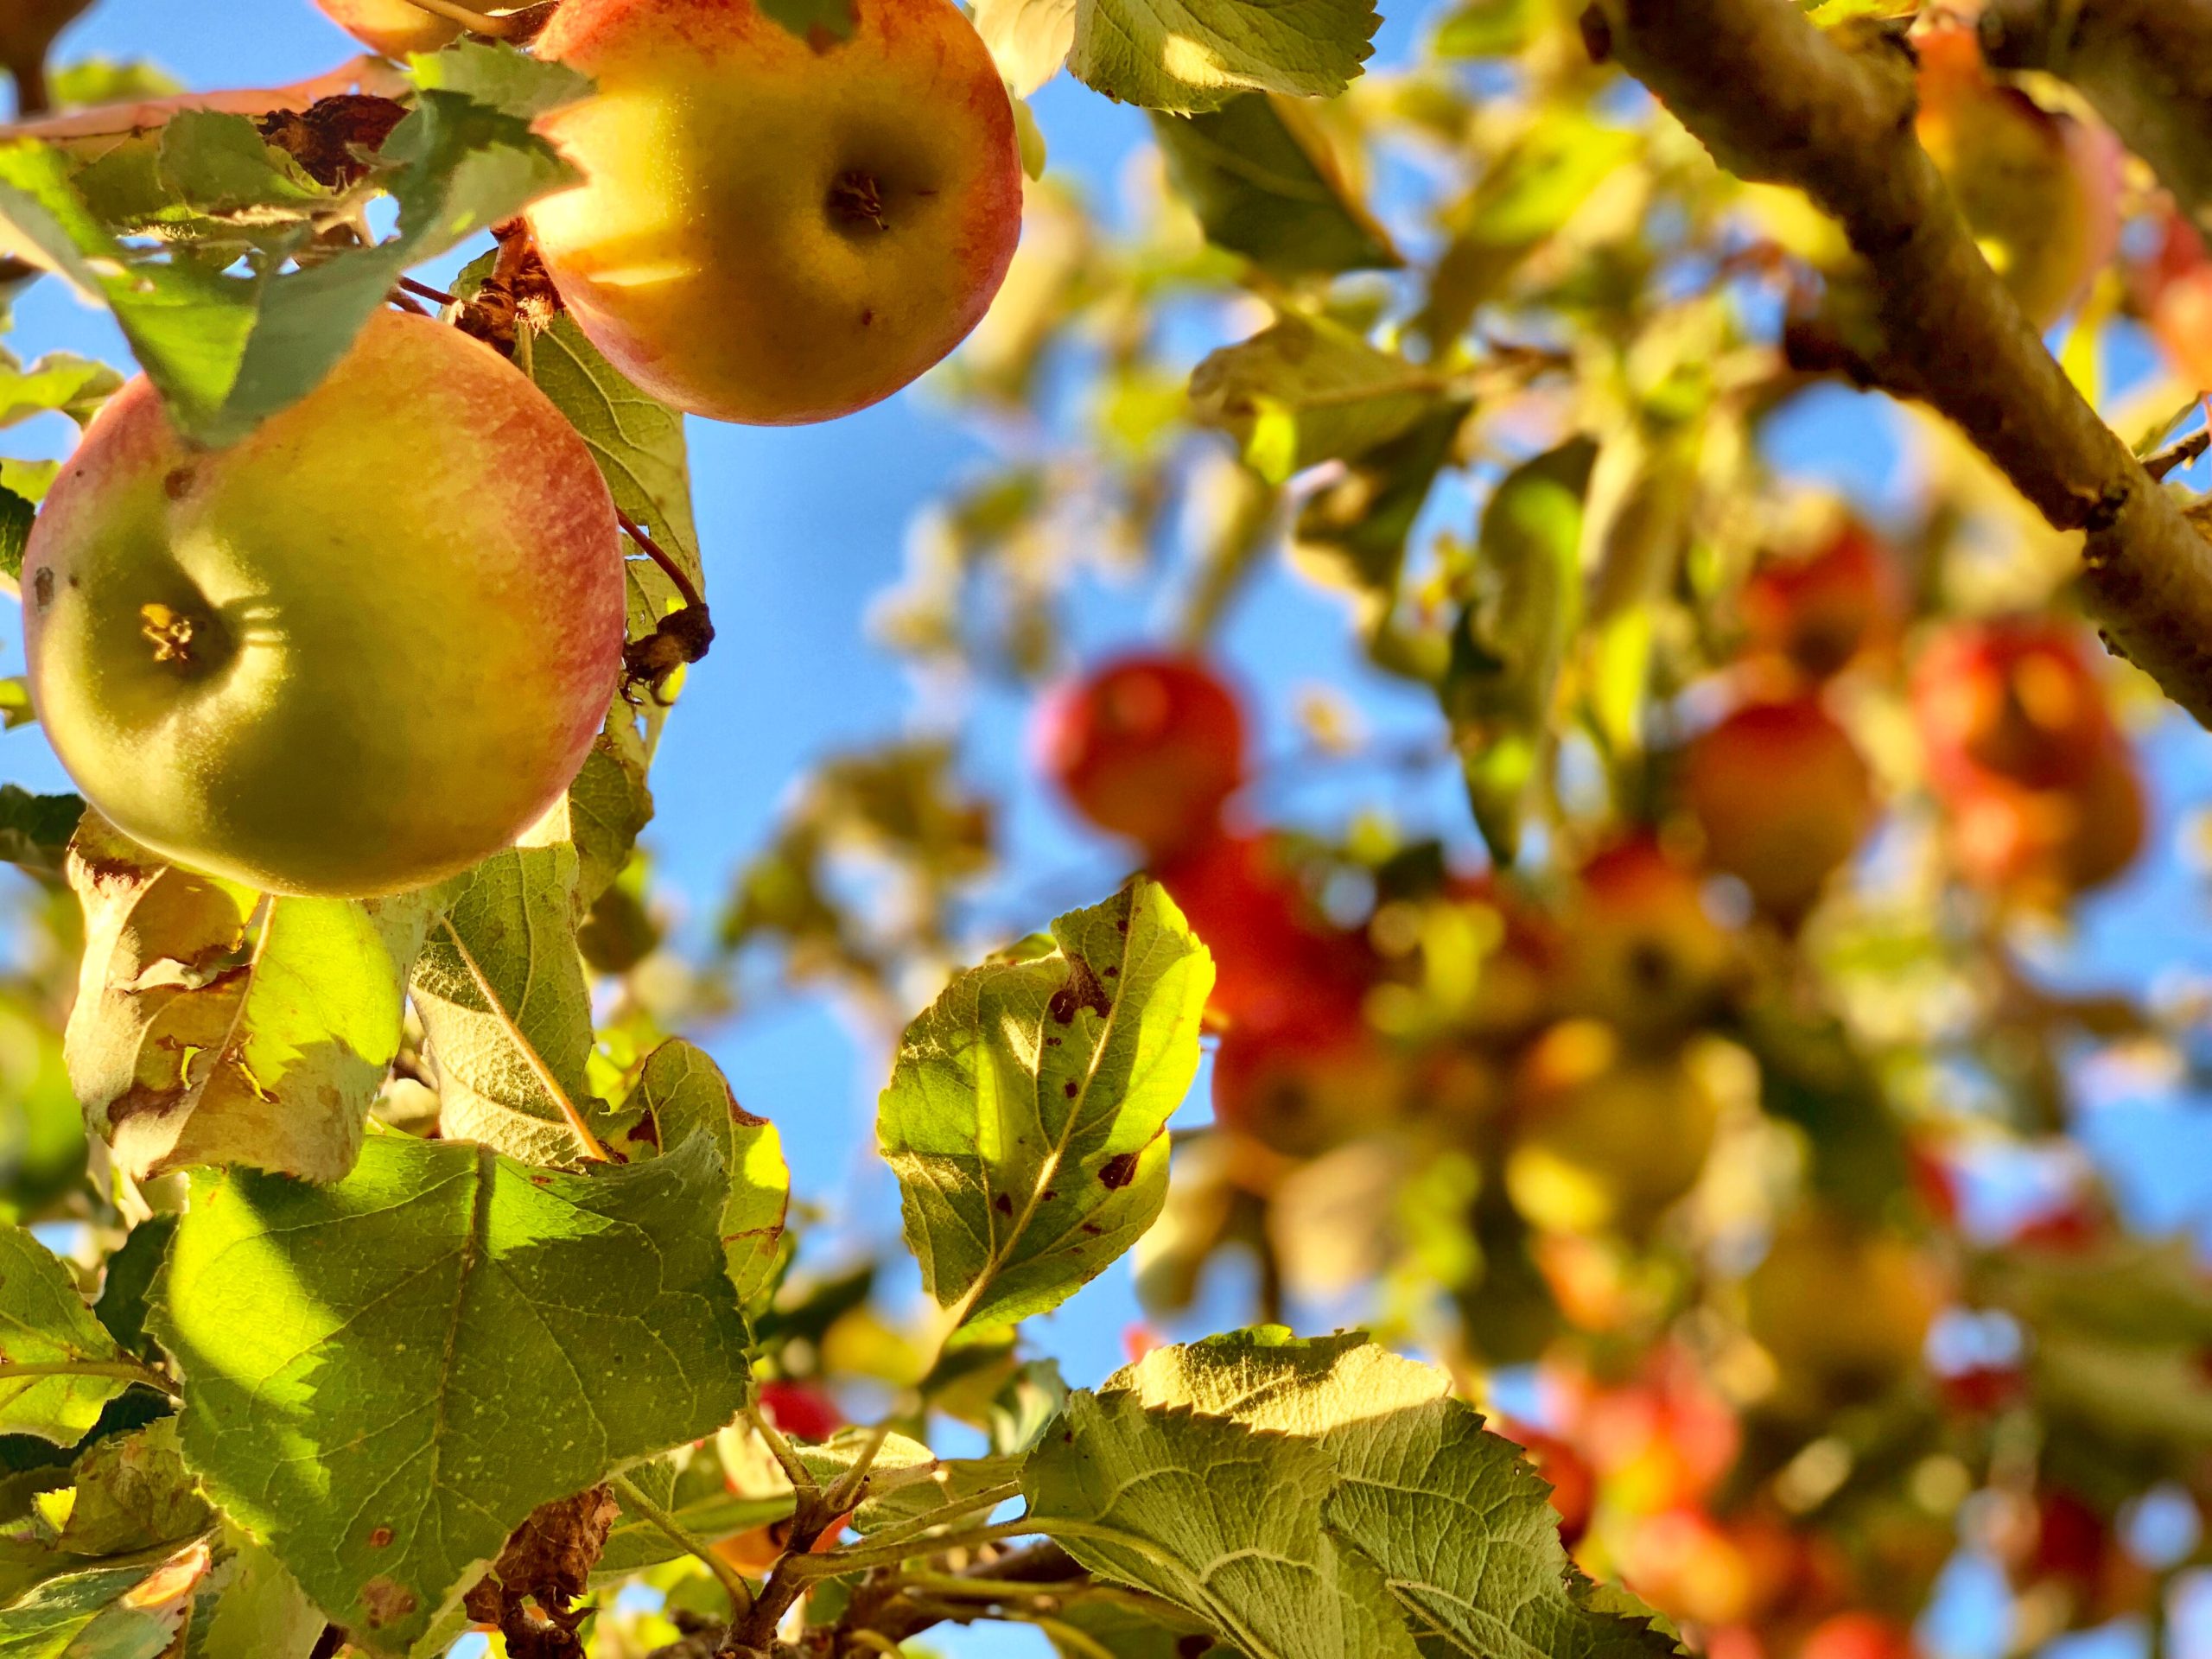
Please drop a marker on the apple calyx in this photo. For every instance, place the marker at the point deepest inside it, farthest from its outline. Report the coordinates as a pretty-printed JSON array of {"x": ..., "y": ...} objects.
[
  {"x": 857, "y": 198},
  {"x": 171, "y": 632}
]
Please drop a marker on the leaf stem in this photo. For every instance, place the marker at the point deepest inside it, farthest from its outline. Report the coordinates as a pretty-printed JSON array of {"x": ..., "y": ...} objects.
[
  {"x": 922, "y": 1526},
  {"x": 845, "y": 1494},
  {"x": 861, "y": 1558},
  {"x": 129, "y": 1369},
  {"x": 589, "y": 1142},
  {"x": 794, "y": 1468},
  {"x": 733, "y": 1582}
]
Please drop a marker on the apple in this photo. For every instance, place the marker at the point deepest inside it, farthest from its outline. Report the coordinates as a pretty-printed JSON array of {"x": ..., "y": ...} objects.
[
  {"x": 391, "y": 27},
  {"x": 1842, "y": 1309},
  {"x": 774, "y": 230},
  {"x": 1858, "y": 1635},
  {"x": 358, "y": 651},
  {"x": 1641, "y": 950},
  {"x": 2038, "y": 190},
  {"x": 1819, "y": 611},
  {"x": 1149, "y": 746},
  {"x": 1606, "y": 1140},
  {"x": 2010, "y": 697},
  {"x": 1274, "y": 953},
  {"x": 802, "y": 1410},
  {"x": 1310, "y": 1076},
  {"x": 1783, "y": 799},
  {"x": 2042, "y": 795}
]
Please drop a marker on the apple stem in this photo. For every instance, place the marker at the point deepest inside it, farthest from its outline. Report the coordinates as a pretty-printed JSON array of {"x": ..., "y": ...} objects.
[
  {"x": 686, "y": 589},
  {"x": 476, "y": 22}
]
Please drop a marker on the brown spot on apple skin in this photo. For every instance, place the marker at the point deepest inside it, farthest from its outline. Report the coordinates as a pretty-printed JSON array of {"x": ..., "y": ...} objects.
[{"x": 42, "y": 588}]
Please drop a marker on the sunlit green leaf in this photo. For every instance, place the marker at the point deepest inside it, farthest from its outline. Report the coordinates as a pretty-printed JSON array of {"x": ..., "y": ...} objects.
[
  {"x": 1187, "y": 55},
  {"x": 354, "y": 1354},
  {"x": 1024, "y": 1116},
  {"x": 1260, "y": 174}
]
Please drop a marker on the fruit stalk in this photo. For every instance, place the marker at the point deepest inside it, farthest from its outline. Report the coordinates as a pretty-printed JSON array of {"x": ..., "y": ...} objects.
[{"x": 1778, "y": 100}]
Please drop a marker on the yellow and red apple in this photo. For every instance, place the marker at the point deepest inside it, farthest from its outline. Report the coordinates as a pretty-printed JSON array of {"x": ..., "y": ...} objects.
[
  {"x": 774, "y": 230},
  {"x": 358, "y": 651}
]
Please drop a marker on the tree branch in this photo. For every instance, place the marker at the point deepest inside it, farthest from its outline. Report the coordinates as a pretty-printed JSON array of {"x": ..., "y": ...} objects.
[
  {"x": 1778, "y": 101},
  {"x": 2145, "y": 64}
]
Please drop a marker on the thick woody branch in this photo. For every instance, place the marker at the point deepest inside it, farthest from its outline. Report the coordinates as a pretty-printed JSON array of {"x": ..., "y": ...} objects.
[
  {"x": 1778, "y": 101},
  {"x": 2147, "y": 64}
]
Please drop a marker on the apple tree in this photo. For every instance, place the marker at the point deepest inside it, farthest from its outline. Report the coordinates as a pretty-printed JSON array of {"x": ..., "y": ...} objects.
[{"x": 1646, "y": 1149}]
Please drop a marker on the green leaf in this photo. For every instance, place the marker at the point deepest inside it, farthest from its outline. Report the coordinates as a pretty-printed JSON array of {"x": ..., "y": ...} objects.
[
  {"x": 1525, "y": 200},
  {"x": 1514, "y": 634},
  {"x": 218, "y": 166},
  {"x": 252, "y": 1606},
  {"x": 44, "y": 1322},
  {"x": 1352, "y": 534},
  {"x": 1261, "y": 176},
  {"x": 270, "y": 1058},
  {"x": 1129, "y": 1634},
  {"x": 610, "y": 803},
  {"x": 1028, "y": 39},
  {"x": 637, "y": 442},
  {"x": 17, "y": 517},
  {"x": 106, "y": 81},
  {"x": 499, "y": 78},
  {"x": 1461, "y": 1526},
  {"x": 60, "y": 382},
  {"x": 128, "y": 1611},
  {"x": 683, "y": 1093},
  {"x": 1308, "y": 389},
  {"x": 354, "y": 1355},
  {"x": 501, "y": 990},
  {"x": 134, "y": 1493},
  {"x": 35, "y": 830},
  {"x": 226, "y": 351},
  {"x": 128, "y": 1283},
  {"x": 813, "y": 20},
  {"x": 1026, "y": 1115},
  {"x": 1318, "y": 1496},
  {"x": 1487, "y": 28},
  {"x": 1187, "y": 55},
  {"x": 1223, "y": 1522}
]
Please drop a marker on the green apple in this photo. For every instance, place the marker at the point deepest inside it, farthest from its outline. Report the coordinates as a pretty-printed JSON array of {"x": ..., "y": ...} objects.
[
  {"x": 774, "y": 230},
  {"x": 357, "y": 652}
]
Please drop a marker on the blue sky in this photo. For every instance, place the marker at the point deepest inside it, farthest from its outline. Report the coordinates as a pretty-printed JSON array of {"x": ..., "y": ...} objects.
[{"x": 803, "y": 527}]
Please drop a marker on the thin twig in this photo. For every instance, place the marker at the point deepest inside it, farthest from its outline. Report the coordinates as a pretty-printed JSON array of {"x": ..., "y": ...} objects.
[
  {"x": 427, "y": 291},
  {"x": 2177, "y": 453},
  {"x": 733, "y": 1582},
  {"x": 590, "y": 1143}
]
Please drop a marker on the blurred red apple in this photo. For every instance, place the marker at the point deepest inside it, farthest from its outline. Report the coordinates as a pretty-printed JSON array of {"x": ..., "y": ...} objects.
[
  {"x": 1783, "y": 797},
  {"x": 1147, "y": 746}
]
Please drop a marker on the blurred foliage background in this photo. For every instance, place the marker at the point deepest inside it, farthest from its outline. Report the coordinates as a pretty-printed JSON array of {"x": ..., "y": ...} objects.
[{"x": 1711, "y": 950}]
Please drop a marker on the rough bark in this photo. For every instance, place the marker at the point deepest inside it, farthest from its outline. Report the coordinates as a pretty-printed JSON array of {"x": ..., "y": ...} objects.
[{"x": 1777, "y": 100}]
